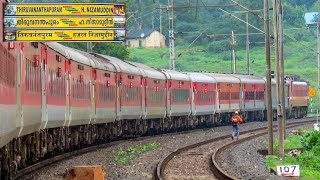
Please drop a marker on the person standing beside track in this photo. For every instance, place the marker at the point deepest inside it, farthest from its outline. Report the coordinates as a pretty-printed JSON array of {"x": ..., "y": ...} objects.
[{"x": 236, "y": 119}]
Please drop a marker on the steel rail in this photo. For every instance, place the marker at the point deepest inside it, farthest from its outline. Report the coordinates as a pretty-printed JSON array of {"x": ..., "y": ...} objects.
[
  {"x": 33, "y": 167},
  {"x": 214, "y": 165},
  {"x": 159, "y": 170}
]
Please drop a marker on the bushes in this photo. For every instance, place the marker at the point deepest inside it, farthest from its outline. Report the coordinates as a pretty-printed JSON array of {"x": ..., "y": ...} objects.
[
  {"x": 311, "y": 157},
  {"x": 311, "y": 140},
  {"x": 309, "y": 160},
  {"x": 137, "y": 59},
  {"x": 218, "y": 46}
]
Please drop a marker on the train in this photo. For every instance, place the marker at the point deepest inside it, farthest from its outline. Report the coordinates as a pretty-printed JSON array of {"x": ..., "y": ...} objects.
[{"x": 55, "y": 99}]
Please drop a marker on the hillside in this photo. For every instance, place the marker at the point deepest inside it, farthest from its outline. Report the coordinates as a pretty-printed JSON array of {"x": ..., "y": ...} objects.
[
  {"x": 298, "y": 60},
  {"x": 197, "y": 51}
]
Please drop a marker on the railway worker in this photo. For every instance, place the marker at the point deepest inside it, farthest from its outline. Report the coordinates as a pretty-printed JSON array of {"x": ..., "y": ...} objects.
[{"x": 236, "y": 119}]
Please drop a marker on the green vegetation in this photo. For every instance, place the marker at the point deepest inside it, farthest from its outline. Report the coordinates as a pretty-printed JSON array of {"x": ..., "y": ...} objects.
[
  {"x": 298, "y": 61},
  {"x": 122, "y": 156},
  {"x": 309, "y": 161},
  {"x": 196, "y": 51}
]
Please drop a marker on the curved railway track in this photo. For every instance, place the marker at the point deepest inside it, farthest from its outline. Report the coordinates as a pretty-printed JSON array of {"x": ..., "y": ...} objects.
[
  {"x": 65, "y": 155},
  {"x": 214, "y": 166}
]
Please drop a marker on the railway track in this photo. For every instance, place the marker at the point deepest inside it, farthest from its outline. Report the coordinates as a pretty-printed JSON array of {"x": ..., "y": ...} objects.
[
  {"x": 31, "y": 168},
  {"x": 208, "y": 157}
]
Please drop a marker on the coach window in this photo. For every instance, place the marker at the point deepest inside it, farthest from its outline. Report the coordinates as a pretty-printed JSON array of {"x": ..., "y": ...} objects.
[
  {"x": 124, "y": 92},
  {"x": 110, "y": 93},
  {"x": 180, "y": 95},
  {"x": 56, "y": 84},
  {"x": 205, "y": 96},
  {"x": 235, "y": 96},
  {"x": 32, "y": 77},
  {"x": 249, "y": 95},
  {"x": 102, "y": 93},
  {"x": 252, "y": 95},
  {"x": 246, "y": 95},
  {"x": 81, "y": 89},
  {"x": 224, "y": 96},
  {"x": 7, "y": 66},
  {"x": 199, "y": 95},
  {"x": 259, "y": 95},
  {"x": 130, "y": 93},
  {"x": 210, "y": 96},
  {"x": 154, "y": 95}
]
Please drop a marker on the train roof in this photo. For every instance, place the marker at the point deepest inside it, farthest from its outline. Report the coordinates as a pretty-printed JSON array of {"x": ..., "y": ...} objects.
[
  {"x": 273, "y": 81},
  {"x": 121, "y": 66},
  {"x": 149, "y": 72},
  {"x": 299, "y": 83},
  {"x": 175, "y": 75},
  {"x": 99, "y": 63},
  {"x": 70, "y": 53},
  {"x": 199, "y": 77},
  {"x": 224, "y": 77},
  {"x": 250, "y": 79}
]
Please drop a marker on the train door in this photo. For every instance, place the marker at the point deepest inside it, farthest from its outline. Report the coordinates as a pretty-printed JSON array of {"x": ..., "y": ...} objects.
[
  {"x": 194, "y": 97},
  {"x": 146, "y": 92},
  {"x": 93, "y": 95},
  {"x": 219, "y": 96},
  {"x": 242, "y": 96},
  {"x": 229, "y": 98},
  {"x": 143, "y": 98},
  {"x": 120, "y": 92},
  {"x": 44, "y": 117},
  {"x": 68, "y": 90}
]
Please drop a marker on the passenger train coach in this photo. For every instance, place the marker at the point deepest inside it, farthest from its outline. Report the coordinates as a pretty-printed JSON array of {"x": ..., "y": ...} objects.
[{"x": 58, "y": 98}]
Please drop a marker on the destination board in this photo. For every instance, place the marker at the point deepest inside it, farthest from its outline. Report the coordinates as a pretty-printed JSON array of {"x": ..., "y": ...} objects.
[
  {"x": 42, "y": 9},
  {"x": 64, "y": 22},
  {"x": 65, "y": 35}
]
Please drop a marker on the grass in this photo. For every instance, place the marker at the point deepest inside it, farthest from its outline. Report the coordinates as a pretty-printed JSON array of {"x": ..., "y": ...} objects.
[
  {"x": 292, "y": 141},
  {"x": 309, "y": 161},
  {"x": 298, "y": 61},
  {"x": 123, "y": 156},
  {"x": 305, "y": 172}
]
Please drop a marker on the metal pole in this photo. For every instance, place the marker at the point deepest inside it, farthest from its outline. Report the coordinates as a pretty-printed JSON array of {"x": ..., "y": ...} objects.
[
  {"x": 233, "y": 54},
  {"x": 268, "y": 75},
  {"x": 171, "y": 34},
  {"x": 160, "y": 19},
  {"x": 248, "y": 45},
  {"x": 152, "y": 17},
  {"x": 318, "y": 62},
  {"x": 88, "y": 47},
  {"x": 281, "y": 58},
  {"x": 279, "y": 108}
]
